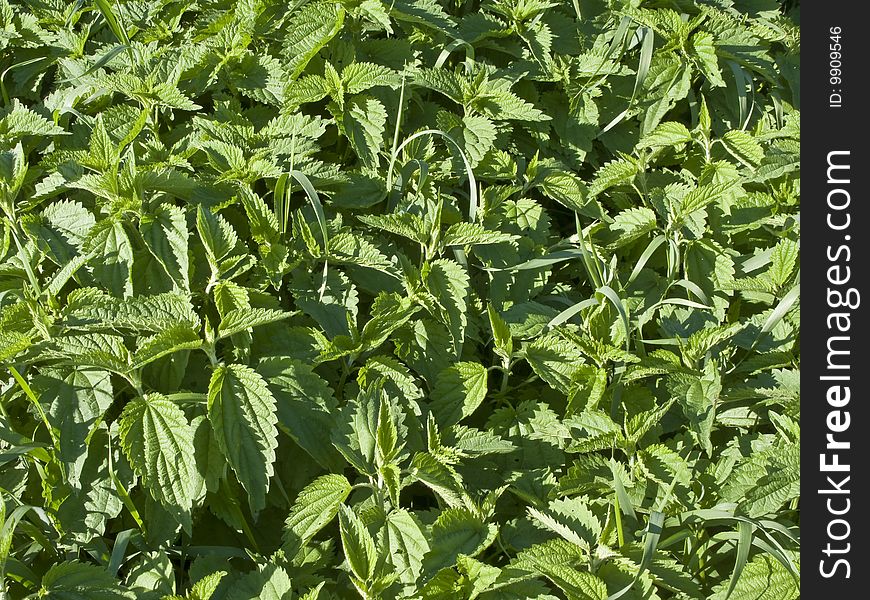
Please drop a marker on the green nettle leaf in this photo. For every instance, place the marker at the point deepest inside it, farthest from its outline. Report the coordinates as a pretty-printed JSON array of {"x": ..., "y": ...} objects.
[
  {"x": 783, "y": 261},
  {"x": 448, "y": 282},
  {"x": 705, "y": 53},
  {"x": 763, "y": 578},
  {"x": 571, "y": 192},
  {"x": 306, "y": 407},
  {"x": 218, "y": 237},
  {"x": 158, "y": 442},
  {"x": 765, "y": 481},
  {"x": 601, "y": 432},
  {"x": 701, "y": 196},
  {"x": 242, "y": 412},
  {"x": 671, "y": 82},
  {"x": 103, "y": 153},
  {"x": 174, "y": 339},
  {"x": 165, "y": 233},
  {"x": 79, "y": 397},
  {"x": 356, "y": 434},
  {"x": 407, "y": 225},
  {"x": 100, "y": 350},
  {"x": 309, "y": 30},
  {"x": 617, "y": 172},
  {"x": 701, "y": 398},
  {"x": 633, "y": 223},
  {"x": 243, "y": 319},
  {"x": 363, "y": 123},
  {"x": 778, "y": 485},
  {"x": 20, "y": 121},
  {"x": 378, "y": 13},
  {"x": 205, "y": 588},
  {"x": 269, "y": 583},
  {"x": 308, "y": 88},
  {"x": 315, "y": 592},
  {"x": 152, "y": 572},
  {"x": 62, "y": 228},
  {"x": 315, "y": 506},
  {"x": 408, "y": 544},
  {"x": 500, "y": 104},
  {"x": 571, "y": 519},
  {"x": 81, "y": 581},
  {"x": 332, "y": 303},
  {"x": 388, "y": 432},
  {"x": 440, "y": 478},
  {"x": 501, "y": 334},
  {"x": 389, "y": 313},
  {"x": 356, "y": 250},
  {"x": 459, "y": 391},
  {"x": 665, "y": 135},
  {"x": 441, "y": 80},
  {"x": 472, "y": 234},
  {"x": 581, "y": 585},
  {"x": 554, "y": 360},
  {"x": 457, "y": 531},
  {"x": 263, "y": 222},
  {"x": 12, "y": 343},
  {"x": 358, "y": 77},
  {"x": 144, "y": 313},
  {"x": 358, "y": 544},
  {"x": 743, "y": 147},
  {"x": 108, "y": 241},
  {"x": 476, "y": 134}
]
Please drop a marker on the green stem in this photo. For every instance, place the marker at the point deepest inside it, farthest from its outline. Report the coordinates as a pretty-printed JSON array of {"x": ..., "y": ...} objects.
[
  {"x": 505, "y": 376},
  {"x": 620, "y": 536},
  {"x": 25, "y": 260},
  {"x": 364, "y": 485},
  {"x": 122, "y": 492},
  {"x": 212, "y": 355},
  {"x": 345, "y": 371},
  {"x": 36, "y": 405}
]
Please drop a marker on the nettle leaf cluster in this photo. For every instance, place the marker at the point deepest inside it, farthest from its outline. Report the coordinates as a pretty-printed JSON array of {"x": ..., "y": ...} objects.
[{"x": 412, "y": 299}]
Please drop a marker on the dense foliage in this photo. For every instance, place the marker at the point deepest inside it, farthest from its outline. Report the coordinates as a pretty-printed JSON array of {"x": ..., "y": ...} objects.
[{"x": 399, "y": 299}]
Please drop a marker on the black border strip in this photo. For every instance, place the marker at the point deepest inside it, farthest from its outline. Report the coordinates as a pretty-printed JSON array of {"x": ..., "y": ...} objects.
[{"x": 835, "y": 233}]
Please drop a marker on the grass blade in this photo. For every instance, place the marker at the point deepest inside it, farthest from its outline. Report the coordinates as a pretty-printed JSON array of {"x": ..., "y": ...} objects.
[
  {"x": 23, "y": 63},
  {"x": 99, "y": 64},
  {"x": 566, "y": 314},
  {"x": 544, "y": 261},
  {"x": 621, "y": 308},
  {"x": 744, "y": 543},
  {"x": 644, "y": 258},
  {"x": 314, "y": 200},
  {"x": 279, "y": 199},
  {"x": 646, "y": 52},
  {"x": 119, "y": 550},
  {"x": 36, "y": 405},
  {"x": 781, "y": 310},
  {"x": 625, "y": 503},
  {"x": 113, "y": 21},
  {"x": 473, "y": 202},
  {"x": 741, "y": 81},
  {"x": 650, "y": 543}
]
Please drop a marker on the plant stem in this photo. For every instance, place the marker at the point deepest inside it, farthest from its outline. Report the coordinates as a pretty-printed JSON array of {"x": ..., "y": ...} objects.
[{"x": 620, "y": 536}]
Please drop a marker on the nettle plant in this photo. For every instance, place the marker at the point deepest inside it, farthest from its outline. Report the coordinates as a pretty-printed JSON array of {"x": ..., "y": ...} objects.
[{"x": 409, "y": 299}]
